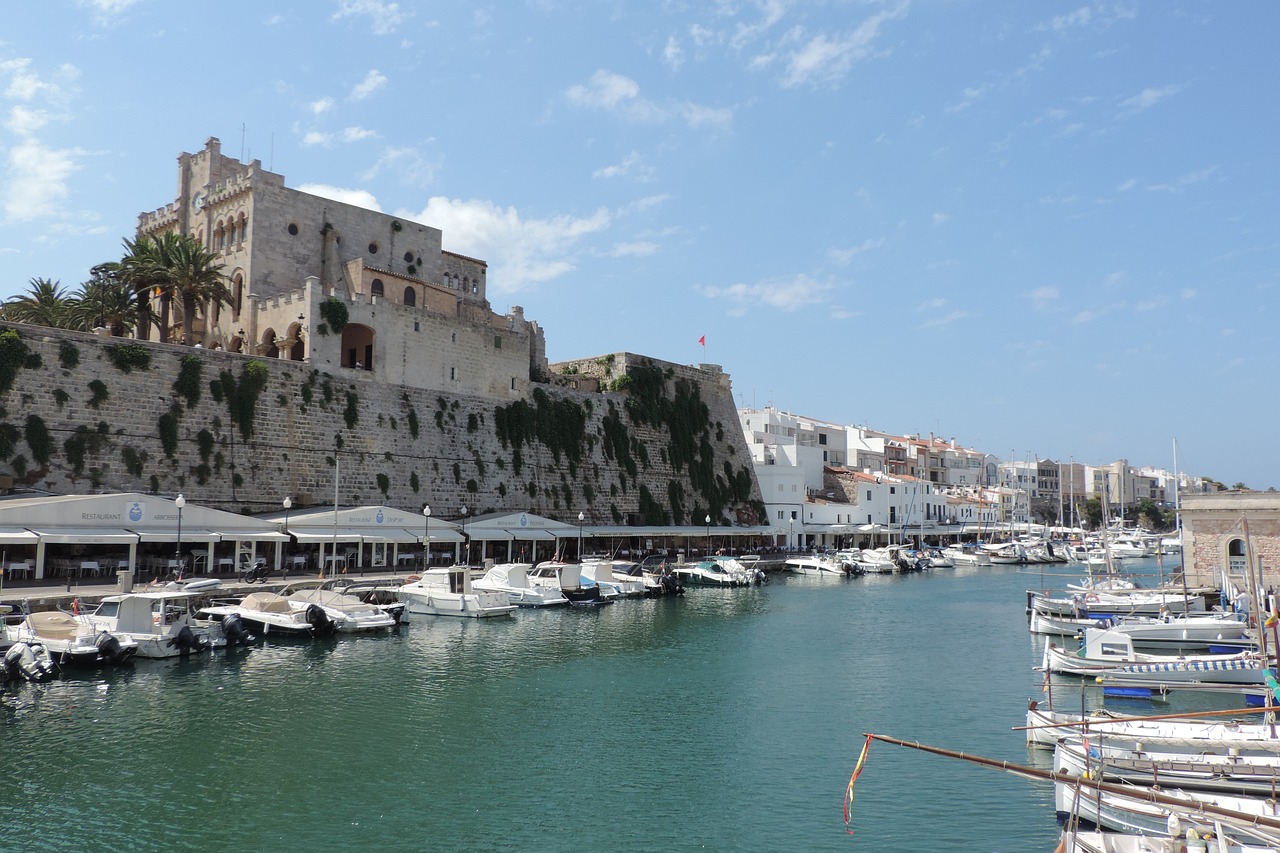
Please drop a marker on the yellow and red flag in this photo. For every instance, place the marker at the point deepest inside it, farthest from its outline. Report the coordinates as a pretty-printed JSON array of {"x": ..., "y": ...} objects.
[{"x": 848, "y": 794}]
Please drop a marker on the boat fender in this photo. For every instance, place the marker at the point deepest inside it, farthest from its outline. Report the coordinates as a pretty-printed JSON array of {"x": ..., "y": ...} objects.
[
  {"x": 1092, "y": 598},
  {"x": 413, "y": 578}
]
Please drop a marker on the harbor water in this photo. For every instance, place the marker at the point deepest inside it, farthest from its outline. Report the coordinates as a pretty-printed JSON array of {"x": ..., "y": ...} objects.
[{"x": 726, "y": 719}]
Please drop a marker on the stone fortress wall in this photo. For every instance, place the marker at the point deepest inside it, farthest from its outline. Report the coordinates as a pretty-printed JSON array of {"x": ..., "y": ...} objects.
[{"x": 81, "y": 413}]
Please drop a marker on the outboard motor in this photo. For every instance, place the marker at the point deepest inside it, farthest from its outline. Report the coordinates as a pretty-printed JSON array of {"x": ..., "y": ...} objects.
[
  {"x": 110, "y": 650},
  {"x": 321, "y": 624},
  {"x": 762, "y": 578},
  {"x": 186, "y": 641},
  {"x": 14, "y": 660},
  {"x": 235, "y": 631}
]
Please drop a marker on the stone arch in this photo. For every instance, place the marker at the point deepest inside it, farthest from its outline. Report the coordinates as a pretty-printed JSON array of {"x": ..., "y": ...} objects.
[
  {"x": 410, "y": 297},
  {"x": 237, "y": 296},
  {"x": 267, "y": 345},
  {"x": 357, "y": 346},
  {"x": 375, "y": 287},
  {"x": 294, "y": 348},
  {"x": 1237, "y": 558}
]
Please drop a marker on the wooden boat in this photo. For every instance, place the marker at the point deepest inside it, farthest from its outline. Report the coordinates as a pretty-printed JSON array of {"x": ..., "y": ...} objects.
[{"x": 1106, "y": 652}]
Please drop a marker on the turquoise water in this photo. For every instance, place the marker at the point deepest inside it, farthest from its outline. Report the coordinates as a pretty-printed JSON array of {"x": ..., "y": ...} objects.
[{"x": 724, "y": 720}]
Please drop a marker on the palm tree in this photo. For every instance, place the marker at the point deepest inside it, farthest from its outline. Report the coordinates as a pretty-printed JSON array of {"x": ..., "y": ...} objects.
[
  {"x": 105, "y": 300},
  {"x": 144, "y": 272},
  {"x": 197, "y": 279},
  {"x": 47, "y": 304}
]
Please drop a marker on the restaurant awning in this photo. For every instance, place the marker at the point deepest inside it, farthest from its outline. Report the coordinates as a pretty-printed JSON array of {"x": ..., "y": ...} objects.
[
  {"x": 442, "y": 535},
  {"x": 17, "y": 536},
  {"x": 250, "y": 534},
  {"x": 86, "y": 536},
  {"x": 531, "y": 535},
  {"x": 321, "y": 534},
  {"x": 390, "y": 534},
  {"x": 170, "y": 534}
]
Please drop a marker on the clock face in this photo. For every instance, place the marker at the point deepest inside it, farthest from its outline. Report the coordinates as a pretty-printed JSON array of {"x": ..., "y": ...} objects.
[{"x": 197, "y": 201}]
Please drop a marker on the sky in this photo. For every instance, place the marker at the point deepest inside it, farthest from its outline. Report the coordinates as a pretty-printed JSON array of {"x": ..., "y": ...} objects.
[{"x": 1041, "y": 229}]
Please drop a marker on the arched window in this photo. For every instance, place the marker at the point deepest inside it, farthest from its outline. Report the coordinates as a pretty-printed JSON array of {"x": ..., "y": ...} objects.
[
  {"x": 410, "y": 297},
  {"x": 238, "y": 292},
  {"x": 1237, "y": 558},
  {"x": 376, "y": 287},
  {"x": 244, "y": 229}
]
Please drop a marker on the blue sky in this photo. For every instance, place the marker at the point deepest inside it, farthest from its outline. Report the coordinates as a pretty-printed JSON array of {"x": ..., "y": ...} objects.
[{"x": 1040, "y": 228}]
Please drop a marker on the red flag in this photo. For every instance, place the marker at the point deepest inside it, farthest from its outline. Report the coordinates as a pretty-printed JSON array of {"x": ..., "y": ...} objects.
[{"x": 703, "y": 340}]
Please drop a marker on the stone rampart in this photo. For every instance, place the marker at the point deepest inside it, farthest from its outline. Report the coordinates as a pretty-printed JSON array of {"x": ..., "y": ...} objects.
[{"x": 84, "y": 413}]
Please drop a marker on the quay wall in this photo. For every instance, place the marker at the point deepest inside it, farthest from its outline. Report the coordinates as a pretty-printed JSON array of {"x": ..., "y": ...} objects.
[{"x": 81, "y": 413}]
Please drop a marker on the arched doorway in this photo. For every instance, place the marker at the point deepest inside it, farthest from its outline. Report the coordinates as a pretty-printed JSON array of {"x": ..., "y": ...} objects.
[{"x": 357, "y": 346}]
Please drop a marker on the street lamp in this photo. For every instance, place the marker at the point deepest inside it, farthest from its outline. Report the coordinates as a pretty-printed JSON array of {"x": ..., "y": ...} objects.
[
  {"x": 286, "y": 503},
  {"x": 708, "y": 519},
  {"x": 180, "y": 502},
  {"x": 465, "y": 539},
  {"x": 581, "y": 517},
  {"x": 791, "y": 540},
  {"x": 426, "y": 536}
]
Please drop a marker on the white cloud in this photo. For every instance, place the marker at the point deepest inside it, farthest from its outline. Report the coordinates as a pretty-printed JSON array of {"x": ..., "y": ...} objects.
[
  {"x": 358, "y": 134},
  {"x": 637, "y": 249},
  {"x": 772, "y": 12},
  {"x": 1078, "y": 18},
  {"x": 1188, "y": 293},
  {"x": 1043, "y": 297},
  {"x": 372, "y": 82},
  {"x": 25, "y": 121},
  {"x": 947, "y": 319},
  {"x": 1184, "y": 181},
  {"x": 36, "y": 176},
  {"x": 320, "y": 106},
  {"x": 384, "y": 17},
  {"x": 621, "y": 95},
  {"x": 968, "y": 98},
  {"x": 672, "y": 55},
  {"x": 823, "y": 59},
  {"x": 360, "y": 198},
  {"x": 1146, "y": 99},
  {"x": 844, "y": 257},
  {"x": 940, "y": 218},
  {"x": 783, "y": 294},
  {"x": 407, "y": 164},
  {"x": 520, "y": 252},
  {"x": 620, "y": 169},
  {"x": 935, "y": 304},
  {"x": 315, "y": 137},
  {"x": 1127, "y": 185},
  {"x": 36, "y": 180}
]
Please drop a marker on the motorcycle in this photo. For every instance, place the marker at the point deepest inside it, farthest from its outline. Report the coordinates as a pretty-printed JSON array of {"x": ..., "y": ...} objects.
[{"x": 255, "y": 572}]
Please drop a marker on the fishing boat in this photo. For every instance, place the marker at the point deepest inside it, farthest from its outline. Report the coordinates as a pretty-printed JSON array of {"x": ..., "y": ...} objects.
[
  {"x": 163, "y": 623},
  {"x": 513, "y": 580},
  {"x": 1107, "y": 652},
  {"x": 1076, "y": 840},
  {"x": 1222, "y": 770},
  {"x": 447, "y": 591},
  {"x": 1193, "y": 732}
]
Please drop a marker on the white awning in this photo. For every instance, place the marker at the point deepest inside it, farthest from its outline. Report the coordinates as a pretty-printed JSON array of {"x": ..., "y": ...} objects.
[
  {"x": 389, "y": 534},
  {"x": 249, "y": 534},
  {"x": 17, "y": 536},
  {"x": 528, "y": 534},
  {"x": 87, "y": 536},
  {"x": 442, "y": 535},
  {"x": 321, "y": 534},
  {"x": 170, "y": 534}
]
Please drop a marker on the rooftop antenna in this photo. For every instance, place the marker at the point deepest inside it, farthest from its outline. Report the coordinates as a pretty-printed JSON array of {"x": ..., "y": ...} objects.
[
  {"x": 271, "y": 153},
  {"x": 242, "y": 130}
]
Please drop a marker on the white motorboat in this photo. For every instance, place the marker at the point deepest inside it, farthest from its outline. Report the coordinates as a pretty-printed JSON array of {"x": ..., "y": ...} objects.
[
  {"x": 349, "y": 614},
  {"x": 710, "y": 573},
  {"x": 267, "y": 614},
  {"x": 71, "y": 640},
  {"x": 162, "y": 623},
  {"x": 1097, "y": 605},
  {"x": 382, "y": 595},
  {"x": 1095, "y": 841},
  {"x": 26, "y": 662},
  {"x": 567, "y": 579},
  {"x": 448, "y": 592},
  {"x": 817, "y": 564},
  {"x": 1046, "y": 727},
  {"x": 657, "y": 582},
  {"x": 965, "y": 556},
  {"x": 513, "y": 580},
  {"x": 1106, "y": 652},
  {"x": 604, "y": 574}
]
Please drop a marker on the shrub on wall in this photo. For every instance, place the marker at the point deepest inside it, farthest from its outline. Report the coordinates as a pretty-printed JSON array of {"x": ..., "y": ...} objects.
[
  {"x": 13, "y": 357},
  {"x": 167, "y": 425},
  {"x": 98, "y": 393},
  {"x": 129, "y": 357},
  {"x": 188, "y": 382},
  {"x": 335, "y": 315},
  {"x": 68, "y": 355},
  {"x": 352, "y": 413},
  {"x": 36, "y": 434}
]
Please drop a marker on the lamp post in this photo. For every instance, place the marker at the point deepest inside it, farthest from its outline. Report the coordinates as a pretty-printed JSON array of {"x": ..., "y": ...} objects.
[
  {"x": 791, "y": 540},
  {"x": 463, "y": 513},
  {"x": 286, "y": 503},
  {"x": 426, "y": 536},
  {"x": 581, "y": 518},
  {"x": 708, "y": 534},
  {"x": 180, "y": 502}
]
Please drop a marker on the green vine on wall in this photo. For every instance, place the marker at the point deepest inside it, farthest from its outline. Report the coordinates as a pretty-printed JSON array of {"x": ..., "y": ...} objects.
[
  {"x": 335, "y": 315},
  {"x": 9, "y": 436},
  {"x": 68, "y": 355},
  {"x": 129, "y": 357},
  {"x": 352, "y": 412},
  {"x": 13, "y": 357},
  {"x": 36, "y": 434},
  {"x": 98, "y": 393},
  {"x": 241, "y": 394},
  {"x": 188, "y": 382},
  {"x": 167, "y": 426}
]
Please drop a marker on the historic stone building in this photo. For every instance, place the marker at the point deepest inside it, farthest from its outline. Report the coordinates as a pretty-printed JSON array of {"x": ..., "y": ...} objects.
[
  {"x": 416, "y": 315},
  {"x": 1224, "y": 534}
]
